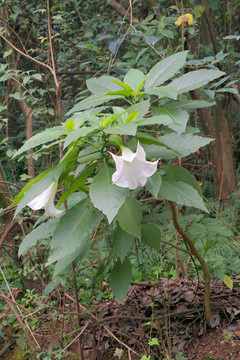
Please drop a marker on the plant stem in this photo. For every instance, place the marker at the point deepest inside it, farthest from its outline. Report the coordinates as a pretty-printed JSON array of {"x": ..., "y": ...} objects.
[{"x": 201, "y": 260}]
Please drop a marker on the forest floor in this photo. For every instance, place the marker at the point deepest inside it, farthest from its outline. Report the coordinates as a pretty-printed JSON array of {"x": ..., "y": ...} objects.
[{"x": 162, "y": 318}]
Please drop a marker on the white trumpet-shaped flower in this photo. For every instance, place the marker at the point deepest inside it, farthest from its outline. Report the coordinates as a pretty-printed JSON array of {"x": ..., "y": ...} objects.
[
  {"x": 132, "y": 168},
  {"x": 46, "y": 200}
]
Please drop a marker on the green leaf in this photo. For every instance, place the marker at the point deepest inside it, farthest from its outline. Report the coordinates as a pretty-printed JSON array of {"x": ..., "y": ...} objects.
[
  {"x": 88, "y": 154},
  {"x": 179, "y": 118},
  {"x": 7, "y": 53},
  {"x": 191, "y": 104},
  {"x": 122, "y": 242},
  {"x": 228, "y": 282},
  {"x": 73, "y": 231},
  {"x": 181, "y": 193},
  {"x": 126, "y": 92},
  {"x": 76, "y": 134},
  {"x": 16, "y": 96},
  {"x": 78, "y": 184},
  {"x": 115, "y": 140},
  {"x": 168, "y": 91},
  {"x": 77, "y": 255},
  {"x": 129, "y": 217},
  {"x": 154, "y": 183},
  {"x": 184, "y": 144},
  {"x": 132, "y": 116},
  {"x": 42, "y": 138},
  {"x": 151, "y": 235},
  {"x": 69, "y": 125},
  {"x": 163, "y": 119},
  {"x": 43, "y": 231},
  {"x": 104, "y": 195},
  {"x": 215, "y": 226},
  {"x": 123, "y": 85},
  {"x": 195, "y": 79},
  {"x": 153, "y": 341},
  {"x": 165, "y": 69},
  {"x": 179, "y": 173},
  {"x": 92, "y": 101},
  {"x": 102, "y": 85},
  {"x": 142, "y": 107},
  {"x": 134, "y": 78},
  {"x": 120, "y": 278},
  {"x": 122, "y": 129}
]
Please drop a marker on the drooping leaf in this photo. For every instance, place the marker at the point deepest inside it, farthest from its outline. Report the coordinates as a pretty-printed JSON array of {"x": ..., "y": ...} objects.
[
  {"x": 92, "y": 101},
  {"x": 120, "y": 278},
  {"x": 122, "y": 242},
  {"x": 163, "y": 119},
  {"x": 151, "y": 235},
  {"x": 154, "y": 183},
  {"x": 167, "y": 91},
  {"x": 76, "y": 134},
  {"x": 106, "y": 196},
  {"x": 165, "y": 69},
  {"x": 179, "y": 118},
  {"x": 185, "y": 144},
  {"x": 195, "y": 79},
  {"x": 77, "y": 255},
  {"x": 181, "y": 193},
  {"x": 179, "y": 173},
  {"x": 42, "y": 138},
  {"x": 73, "y": 231},
  {"x": 122, "y": 129},
  {"x": 43, "y": 231},
  {"x": 114, "y": 44},
  {"x": 191, "y": 104},
  {"x": 78, "y": 184},
  {"x": 129, "y": 217},
  {"x": 102, "y": 85}
]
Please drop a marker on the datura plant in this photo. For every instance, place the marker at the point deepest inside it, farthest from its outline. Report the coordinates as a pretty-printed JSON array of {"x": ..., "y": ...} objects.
[{"x": 117, "y": 144}]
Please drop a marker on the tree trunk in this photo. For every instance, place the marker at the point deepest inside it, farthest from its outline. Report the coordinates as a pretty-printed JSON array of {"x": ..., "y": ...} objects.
[
  {"x": 217, "y": 125},
  {"x": 26, "y": 110}
]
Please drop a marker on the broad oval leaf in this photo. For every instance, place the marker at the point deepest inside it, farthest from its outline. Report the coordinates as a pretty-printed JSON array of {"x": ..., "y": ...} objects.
[
  {"x": 120, "y": 278},
  {"x": 165, "y": 69},
  {"x": 92, "y": 101},
  {"x": 129, "y": 217},
  {"x": 102, "y": 85},
  {"x": 181, "y": 193},
  {"x": 106, "y": 196},
  {"x": 195, "y": 79},
  {"x": 42, "y": 138}
]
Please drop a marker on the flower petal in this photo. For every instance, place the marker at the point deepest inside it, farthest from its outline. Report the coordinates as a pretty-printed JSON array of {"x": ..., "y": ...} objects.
[
  {"x": 40, "y": 201},
  {"x": 46, "y": 201},
  {"x": 52, "y": 211},
  {"x": 132, "y": 169}
]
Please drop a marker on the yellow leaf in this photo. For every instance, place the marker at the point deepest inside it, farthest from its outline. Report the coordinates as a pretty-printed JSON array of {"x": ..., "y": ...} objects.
[
  {"x": 228, "y": 282},
  {"x": 183, "y": 19}
]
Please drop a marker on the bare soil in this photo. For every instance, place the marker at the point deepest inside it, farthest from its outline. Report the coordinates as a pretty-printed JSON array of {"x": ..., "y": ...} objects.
[{"x": 161, "y": 319}]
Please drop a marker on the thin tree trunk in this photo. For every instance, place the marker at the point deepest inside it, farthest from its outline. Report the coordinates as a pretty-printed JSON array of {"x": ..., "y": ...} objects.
[
  {"x": 217, "y": 127},
  {"x": 118, "y": 7},
  {"x": 216, "y": 123},
  {"x": 26, "y": 110}
]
